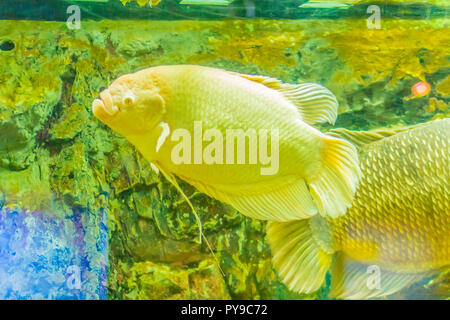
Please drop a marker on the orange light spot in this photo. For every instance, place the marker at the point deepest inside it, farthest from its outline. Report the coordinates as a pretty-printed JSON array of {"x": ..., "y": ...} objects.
[{"x": 421, "y": 89}]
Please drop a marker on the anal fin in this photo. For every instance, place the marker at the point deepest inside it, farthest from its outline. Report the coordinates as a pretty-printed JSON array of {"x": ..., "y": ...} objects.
[
  {"x": 281, "y": 202},
  {"x": 354, "y": 281},
  {"x": 299, "y": 260}
]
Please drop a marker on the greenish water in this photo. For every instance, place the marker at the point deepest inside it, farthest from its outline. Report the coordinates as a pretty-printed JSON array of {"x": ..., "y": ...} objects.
[
  {"x": 221, "y": 9},
  {"x": 82, "y": 213}
]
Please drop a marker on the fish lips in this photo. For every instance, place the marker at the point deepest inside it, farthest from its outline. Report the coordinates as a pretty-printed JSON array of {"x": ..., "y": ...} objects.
[{"x": 104, "y": 107}]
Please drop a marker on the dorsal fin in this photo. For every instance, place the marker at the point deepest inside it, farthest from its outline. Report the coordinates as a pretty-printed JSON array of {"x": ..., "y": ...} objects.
[
  {"x": 315, "y": 103},
  {"x": 362, "y": 138}
]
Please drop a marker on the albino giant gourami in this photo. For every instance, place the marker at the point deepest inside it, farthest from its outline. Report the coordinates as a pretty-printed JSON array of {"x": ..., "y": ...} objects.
[{"x": 316, "y": 173}]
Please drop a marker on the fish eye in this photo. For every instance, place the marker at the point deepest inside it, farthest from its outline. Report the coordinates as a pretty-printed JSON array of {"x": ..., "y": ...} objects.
[{"x": 128, "y": 100}]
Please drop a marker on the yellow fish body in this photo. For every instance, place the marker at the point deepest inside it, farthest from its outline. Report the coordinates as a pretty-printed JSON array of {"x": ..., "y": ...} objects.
[
  {"x": 158, "y": 108},
  {"x": 397, "y": 230}
]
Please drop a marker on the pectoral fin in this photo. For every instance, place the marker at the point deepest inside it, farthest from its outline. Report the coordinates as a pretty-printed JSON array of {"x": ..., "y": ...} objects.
[
  {"x": 165, "y": 132},
  {"x": 354, "y": 281},
  {"x": 334, "y": 186},
  {"x": 315, "y": 103}
]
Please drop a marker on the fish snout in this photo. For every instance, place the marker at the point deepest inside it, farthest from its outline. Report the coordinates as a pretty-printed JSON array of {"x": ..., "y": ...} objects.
[{"x": 104, "y": 107}]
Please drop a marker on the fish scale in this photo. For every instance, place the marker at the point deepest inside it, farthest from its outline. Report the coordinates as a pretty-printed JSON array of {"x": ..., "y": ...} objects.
[
  {"x": 418, "y": 209},
  {"x": 241, "y": 115}
]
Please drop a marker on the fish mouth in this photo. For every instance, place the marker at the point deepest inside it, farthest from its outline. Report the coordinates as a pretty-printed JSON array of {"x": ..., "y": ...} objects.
[{"x": 104, "y": 107}]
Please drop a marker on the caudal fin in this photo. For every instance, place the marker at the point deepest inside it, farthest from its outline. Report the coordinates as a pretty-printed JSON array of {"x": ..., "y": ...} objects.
[{"x": 335, "y": 184}]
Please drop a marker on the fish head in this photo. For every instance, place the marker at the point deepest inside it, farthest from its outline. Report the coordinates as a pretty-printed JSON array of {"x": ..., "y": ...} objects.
[{"x": 132, "y": 105}]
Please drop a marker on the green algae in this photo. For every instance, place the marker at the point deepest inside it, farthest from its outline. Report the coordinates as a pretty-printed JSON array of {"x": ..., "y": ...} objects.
[
  {"x": 147, "y": 280},
  {"x": 55, "y": 156}
]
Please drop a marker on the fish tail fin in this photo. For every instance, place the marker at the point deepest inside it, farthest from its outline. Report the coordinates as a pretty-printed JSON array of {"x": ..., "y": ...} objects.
[
  {"x": 335, "y": 184},
  {"x": 174, "y": 182},
  {"x": 299, "y": 259}
]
